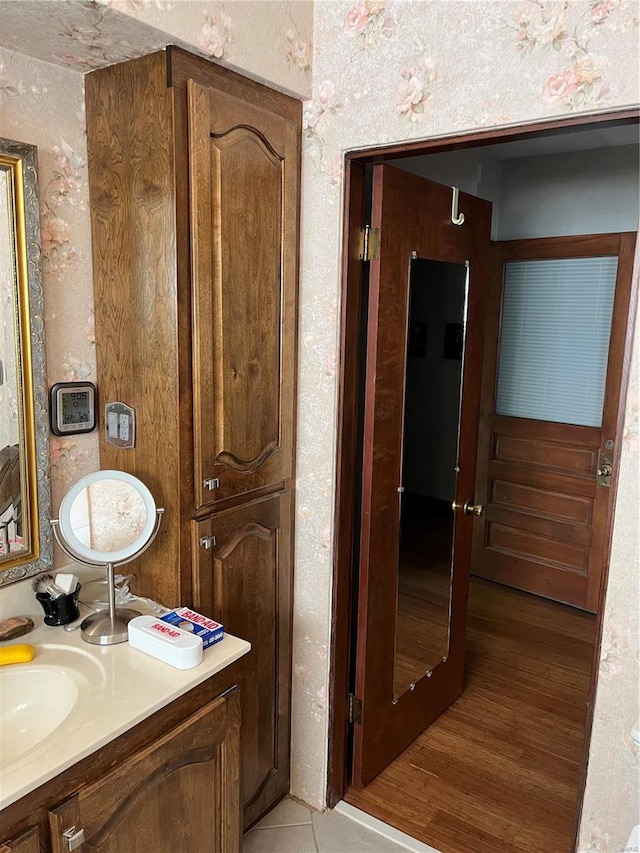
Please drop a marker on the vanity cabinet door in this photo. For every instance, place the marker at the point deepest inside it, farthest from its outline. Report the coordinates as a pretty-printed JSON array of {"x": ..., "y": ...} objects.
[
  {"x": 244, "y": 161},
  {"x": 27, "y": 843},
  {"x": 243, "y": 579},
  {"x": 181, "y": 793}
]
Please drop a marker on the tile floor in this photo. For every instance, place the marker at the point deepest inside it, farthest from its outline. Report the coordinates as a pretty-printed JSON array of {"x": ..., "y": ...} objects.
[{"x": 292, "y": 827}]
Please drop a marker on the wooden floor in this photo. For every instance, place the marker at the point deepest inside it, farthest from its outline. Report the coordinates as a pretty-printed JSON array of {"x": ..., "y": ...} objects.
[{"x": 498, "y": 772}]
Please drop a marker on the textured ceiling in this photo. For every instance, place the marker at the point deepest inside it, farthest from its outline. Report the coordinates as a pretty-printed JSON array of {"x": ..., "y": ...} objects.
[
  {"x": 566, "y": 141},
  {"x": 76, "y": 34}
]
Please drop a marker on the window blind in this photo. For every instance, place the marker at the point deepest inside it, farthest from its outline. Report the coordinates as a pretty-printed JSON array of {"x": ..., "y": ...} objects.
[{"x": 554, "y": 339}]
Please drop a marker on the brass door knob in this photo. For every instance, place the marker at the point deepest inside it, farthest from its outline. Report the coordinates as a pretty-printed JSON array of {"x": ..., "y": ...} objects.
[
  {"x": 605, "y": 470},
  {"x": 469, "y": 508}
]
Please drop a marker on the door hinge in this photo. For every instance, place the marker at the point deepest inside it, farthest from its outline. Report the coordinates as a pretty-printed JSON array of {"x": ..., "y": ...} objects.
[
  {"x": 369, "y": 249},
  {"x": 355, "y": 710},
  {"x": 207, "y": 542}
]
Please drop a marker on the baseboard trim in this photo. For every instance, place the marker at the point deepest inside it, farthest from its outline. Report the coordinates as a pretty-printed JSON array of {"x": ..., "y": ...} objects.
[{"x": 383, "y": 829}]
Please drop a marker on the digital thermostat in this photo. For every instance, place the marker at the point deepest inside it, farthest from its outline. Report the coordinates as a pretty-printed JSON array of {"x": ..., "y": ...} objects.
[{"x": 72, "y": 407}]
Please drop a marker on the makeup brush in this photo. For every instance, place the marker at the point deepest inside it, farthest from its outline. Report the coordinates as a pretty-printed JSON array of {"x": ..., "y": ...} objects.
[{"x": 45, "y": 585}]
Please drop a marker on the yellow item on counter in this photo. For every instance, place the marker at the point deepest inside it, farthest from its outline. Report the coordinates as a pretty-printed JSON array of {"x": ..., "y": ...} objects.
[{"x": 21, "y": 653}]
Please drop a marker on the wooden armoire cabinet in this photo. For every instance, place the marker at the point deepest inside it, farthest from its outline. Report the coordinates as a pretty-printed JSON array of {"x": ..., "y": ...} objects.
[{"x": 194, "y": 175}]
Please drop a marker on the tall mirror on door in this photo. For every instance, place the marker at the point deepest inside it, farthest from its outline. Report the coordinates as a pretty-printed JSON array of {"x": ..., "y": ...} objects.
[
  {"x": 25, "y": 538},
  {"x": 433, "y": 385}
]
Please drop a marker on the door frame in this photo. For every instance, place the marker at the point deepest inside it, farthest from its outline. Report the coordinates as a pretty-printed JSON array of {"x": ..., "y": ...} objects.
[{"x": 355, "y": 212}]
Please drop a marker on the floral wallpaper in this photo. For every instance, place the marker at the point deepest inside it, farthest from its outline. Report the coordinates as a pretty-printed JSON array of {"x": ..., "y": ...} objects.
[
  {"x": 373, "y": 71},
  {"x": 281, "y": 54},
  {"x": 386, "y": 71},
  {"x": 43, "y": 104}
]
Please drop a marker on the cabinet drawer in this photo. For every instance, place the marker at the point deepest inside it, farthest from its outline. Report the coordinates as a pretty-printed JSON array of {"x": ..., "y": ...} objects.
[{"x": 243, "y": 579}]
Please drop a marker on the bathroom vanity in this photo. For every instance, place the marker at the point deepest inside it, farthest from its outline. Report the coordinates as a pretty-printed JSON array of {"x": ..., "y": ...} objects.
[{"x": 148, "y": 758}]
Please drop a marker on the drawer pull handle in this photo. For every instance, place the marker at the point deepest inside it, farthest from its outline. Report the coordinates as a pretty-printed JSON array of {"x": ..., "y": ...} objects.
[{"x": 74, "y": 837}]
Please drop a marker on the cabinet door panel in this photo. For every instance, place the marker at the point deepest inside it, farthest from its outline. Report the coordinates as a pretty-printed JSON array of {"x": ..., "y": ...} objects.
[
  {"x": 244, "y": 580},
  {"x": 27, "y": 843},
  {"x": 243, "y": 177},
  {"x": 180, "y": 793}
]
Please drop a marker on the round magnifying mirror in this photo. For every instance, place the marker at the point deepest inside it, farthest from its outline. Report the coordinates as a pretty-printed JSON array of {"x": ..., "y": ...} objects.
[{"x": 106, "y": 519}]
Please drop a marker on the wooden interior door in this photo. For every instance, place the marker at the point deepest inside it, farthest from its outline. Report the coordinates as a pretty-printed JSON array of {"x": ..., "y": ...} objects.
[
  {"x": 414, "y": 218},
  {"x": 244, "y": 162},
  {"x": 547, "y": 522}
]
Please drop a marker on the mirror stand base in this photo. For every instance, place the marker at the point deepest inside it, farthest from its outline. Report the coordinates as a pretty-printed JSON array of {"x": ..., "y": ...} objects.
[{"x": 100, "y": 629}]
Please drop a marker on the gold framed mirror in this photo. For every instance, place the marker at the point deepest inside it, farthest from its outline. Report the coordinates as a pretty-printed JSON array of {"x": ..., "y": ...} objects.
[{"x": 25, "y": 538}]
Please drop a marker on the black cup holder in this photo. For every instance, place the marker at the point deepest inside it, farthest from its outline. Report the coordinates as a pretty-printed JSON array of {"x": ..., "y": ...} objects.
[{"x": 60, "y": 610}]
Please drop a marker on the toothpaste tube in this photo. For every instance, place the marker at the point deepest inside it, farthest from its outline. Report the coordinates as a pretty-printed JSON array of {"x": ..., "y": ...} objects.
[{"x": 188, "y": 620}]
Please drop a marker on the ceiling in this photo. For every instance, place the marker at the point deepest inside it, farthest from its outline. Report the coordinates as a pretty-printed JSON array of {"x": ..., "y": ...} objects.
[
  {"x": 77, "y": 34},
  {"x": 566, "y": 140}
]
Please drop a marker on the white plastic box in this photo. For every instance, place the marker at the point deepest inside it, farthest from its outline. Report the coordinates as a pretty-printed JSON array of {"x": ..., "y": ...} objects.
[{"x": 168, "y": 643}]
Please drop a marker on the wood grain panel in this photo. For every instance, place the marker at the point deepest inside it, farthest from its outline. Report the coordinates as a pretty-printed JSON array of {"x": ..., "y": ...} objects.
[
  {"x": 244, "y": 582},
  {"x": 248, "y": 179},
  {"x": 27, "y": 843},
  {"x": 535, "y": 451},
  {"x": 553, "y": 528},
  {"x": 527, "y": 546},
  {"x": 574, "y": 508},
  {"x": 243, "y": 176},
  {"x": 131, "y": 184},
  {"x": 543, "y": 577},
  {"x": 539, "y": 478},
  {"x": 181, "y": 793}
]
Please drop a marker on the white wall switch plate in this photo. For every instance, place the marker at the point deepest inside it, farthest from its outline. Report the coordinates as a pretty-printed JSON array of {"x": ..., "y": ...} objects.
[{"x": 120, "y": 420}]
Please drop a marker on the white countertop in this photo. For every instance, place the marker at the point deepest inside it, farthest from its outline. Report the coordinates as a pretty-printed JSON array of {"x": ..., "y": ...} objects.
[{"x": 118, "y": 687}]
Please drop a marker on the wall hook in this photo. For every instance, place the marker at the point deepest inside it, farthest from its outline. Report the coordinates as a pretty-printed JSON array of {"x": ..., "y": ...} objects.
[{"x": 456, "y": 218}]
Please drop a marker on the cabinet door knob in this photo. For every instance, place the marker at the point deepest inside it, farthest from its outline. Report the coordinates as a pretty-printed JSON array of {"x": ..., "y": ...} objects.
[{"x": 74, "y": 837}]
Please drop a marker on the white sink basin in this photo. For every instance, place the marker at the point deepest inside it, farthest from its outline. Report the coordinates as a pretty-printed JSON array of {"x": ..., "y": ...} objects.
[{"x": 34, "y": 700}]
